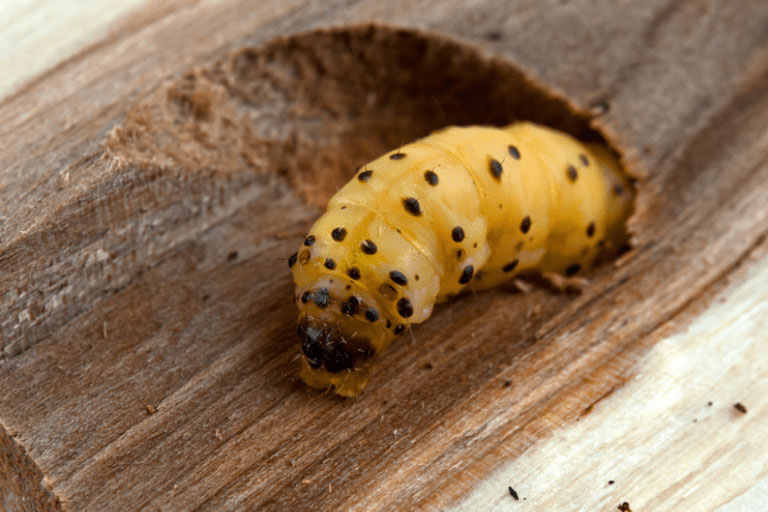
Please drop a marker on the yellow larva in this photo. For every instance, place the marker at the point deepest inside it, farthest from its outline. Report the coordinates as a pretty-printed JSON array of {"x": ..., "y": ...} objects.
[{"x": 418, "y": 225}]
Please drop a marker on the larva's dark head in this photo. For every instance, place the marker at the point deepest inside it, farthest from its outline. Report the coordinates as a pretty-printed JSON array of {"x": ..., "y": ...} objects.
[
  {"x": 326, "y": 346},
  {"x": 333, "y": 357}
]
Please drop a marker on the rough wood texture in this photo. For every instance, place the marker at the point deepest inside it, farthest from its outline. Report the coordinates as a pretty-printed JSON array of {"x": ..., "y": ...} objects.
[{"x": 132, "y": 274}]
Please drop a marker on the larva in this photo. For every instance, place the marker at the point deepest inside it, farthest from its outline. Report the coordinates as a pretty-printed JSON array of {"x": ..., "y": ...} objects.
[{"x": 465, "y": 205}]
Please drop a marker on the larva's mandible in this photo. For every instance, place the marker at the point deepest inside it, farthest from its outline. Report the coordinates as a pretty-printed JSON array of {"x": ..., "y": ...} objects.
[{"x": 416, "y": 226}]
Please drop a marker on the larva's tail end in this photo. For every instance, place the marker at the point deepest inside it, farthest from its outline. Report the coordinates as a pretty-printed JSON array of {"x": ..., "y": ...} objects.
[{"x": 348, "y": 383}]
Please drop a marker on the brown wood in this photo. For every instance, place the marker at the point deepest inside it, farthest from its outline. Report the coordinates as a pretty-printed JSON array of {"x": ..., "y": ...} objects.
[{"x": 153, "y": 184}]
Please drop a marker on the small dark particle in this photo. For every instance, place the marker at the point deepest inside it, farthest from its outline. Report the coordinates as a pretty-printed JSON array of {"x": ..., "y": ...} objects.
[
  {"x": 338, "y": 234},
  {"x": 365, "y": 175},
  {"x": 507, "y": 383},
  {"x": 618, "y": 189},
  {"x": 611, "y": 482},
  {"x": 304, "y": 257},
  {"x": 412, "y": 206},
  {"x": 330, "y": 264},
  {"x": 232, "y": 256},
  {"x": 600, "y": 107},
  {"x": 428, "y": 366},
  {"x": 584, "y": 159},
  {"x": 514, "y": 152},
  {"x": 321, "y": 298},
  {"x": 150, "y": 409},
  {"x": 348, "y": 287},
  {"x": 397, "y": 156},
  {"x": 388, "y": 291},
  {"x": 623, "y": 250},
  {"x": 368, "y": 247},
  {"x": 344, "y": 207},
  {"x": 709, "y": 404},
  {"x": 525, "y": 224},
  {"x": 572, "y": 173},
  {"x": 416, "y": 277},
  {"x": 509, "y": 267},
  {"x": 591, "y": 229},
  {"x": 371, "y": 315},
  {"x": 305, "y": 297},
  {"x": 513, "y": 493},
  {"x": 572, "y": 270},
  {"x": 389, "y": 324},
  {"x": 474, "y": 245},
  {"x": 404, "y": 307},
  {"x": 457, "y": 234},
  {"x": 351, "y": 306},
  {"x": 309, "y": 240},
  {"x": 740, "y": 407},
  {"x": 624, "y": 507},
  {"x": 460, "y": 253},
  {"x": 494, "y": 35},
  {"x": 496, "y": 169},
  {"x": 466, "y": 274},
  {"x": 399, "y": 329},
  {"x": 431, "y": 178},
  {"x": 398, "y": 277},
  {"x": 292, "y": 259},
  {"x": 354, "y": 273}
]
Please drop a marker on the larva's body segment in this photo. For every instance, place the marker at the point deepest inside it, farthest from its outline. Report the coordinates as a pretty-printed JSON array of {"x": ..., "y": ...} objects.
[{"x": 416, "y": 226}]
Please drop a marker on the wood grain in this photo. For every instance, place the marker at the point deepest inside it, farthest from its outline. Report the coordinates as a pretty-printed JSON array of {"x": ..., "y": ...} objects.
[{"x": 133, "y": 278}]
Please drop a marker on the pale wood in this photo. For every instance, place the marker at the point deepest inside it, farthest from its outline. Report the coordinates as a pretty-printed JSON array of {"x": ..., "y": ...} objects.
[
  {"x": 119, "y": 289},
  {"x": 670, "y": 439}
]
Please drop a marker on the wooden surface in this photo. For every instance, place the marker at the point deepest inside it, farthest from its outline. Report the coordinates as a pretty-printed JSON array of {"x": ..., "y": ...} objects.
[{"x": 152, "y": 184}]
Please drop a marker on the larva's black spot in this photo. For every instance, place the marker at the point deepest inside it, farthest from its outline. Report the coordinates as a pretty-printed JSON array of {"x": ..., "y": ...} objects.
[
  {"x": 389, "y": 324},
  {"x": 365, "y": 175},
  {"x": 398, "y": 277},
  {"x": 572, "y": 270},
  {"x": 368, "y": 247},
  {"x": 354, "y": 273},
  {"x": 351, "y": 307},
  {"x": 304, "y": 257},
  {"x": 496, "y": 169},
  {"x": 525, "y": 224},
  {"x": 412, "y": 206},
  {"x": 591, "y": 229},
  {"x": 404, "y": 307},
  {"x": 321, "y": 298},
  {"x": 460, "y": 254},
  {"x": 584, "y": 159},
  {"x": 572, "y": 173},
  {"x": 338, "y": 234},
  {"x": 292, "y": 259},
  {"x": 509, "y": 267},
  {"x": 388, "y": 291},
  {"x": 305, "y": 297},
  {"x": 514, "y": 152},
  {"x": 431, "y": 178},
  {"x": 466, "y": 274},
  {"x": 457, "y": 234},
  {"x": 372, "y": 315},
  {"x": 397, "y": 156},
  {"x": 399, "y": 329},
  {"x": 618, "y": 189},
  {"x": 330, "y": 264},
  {"x": 309, "y": 240}
]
